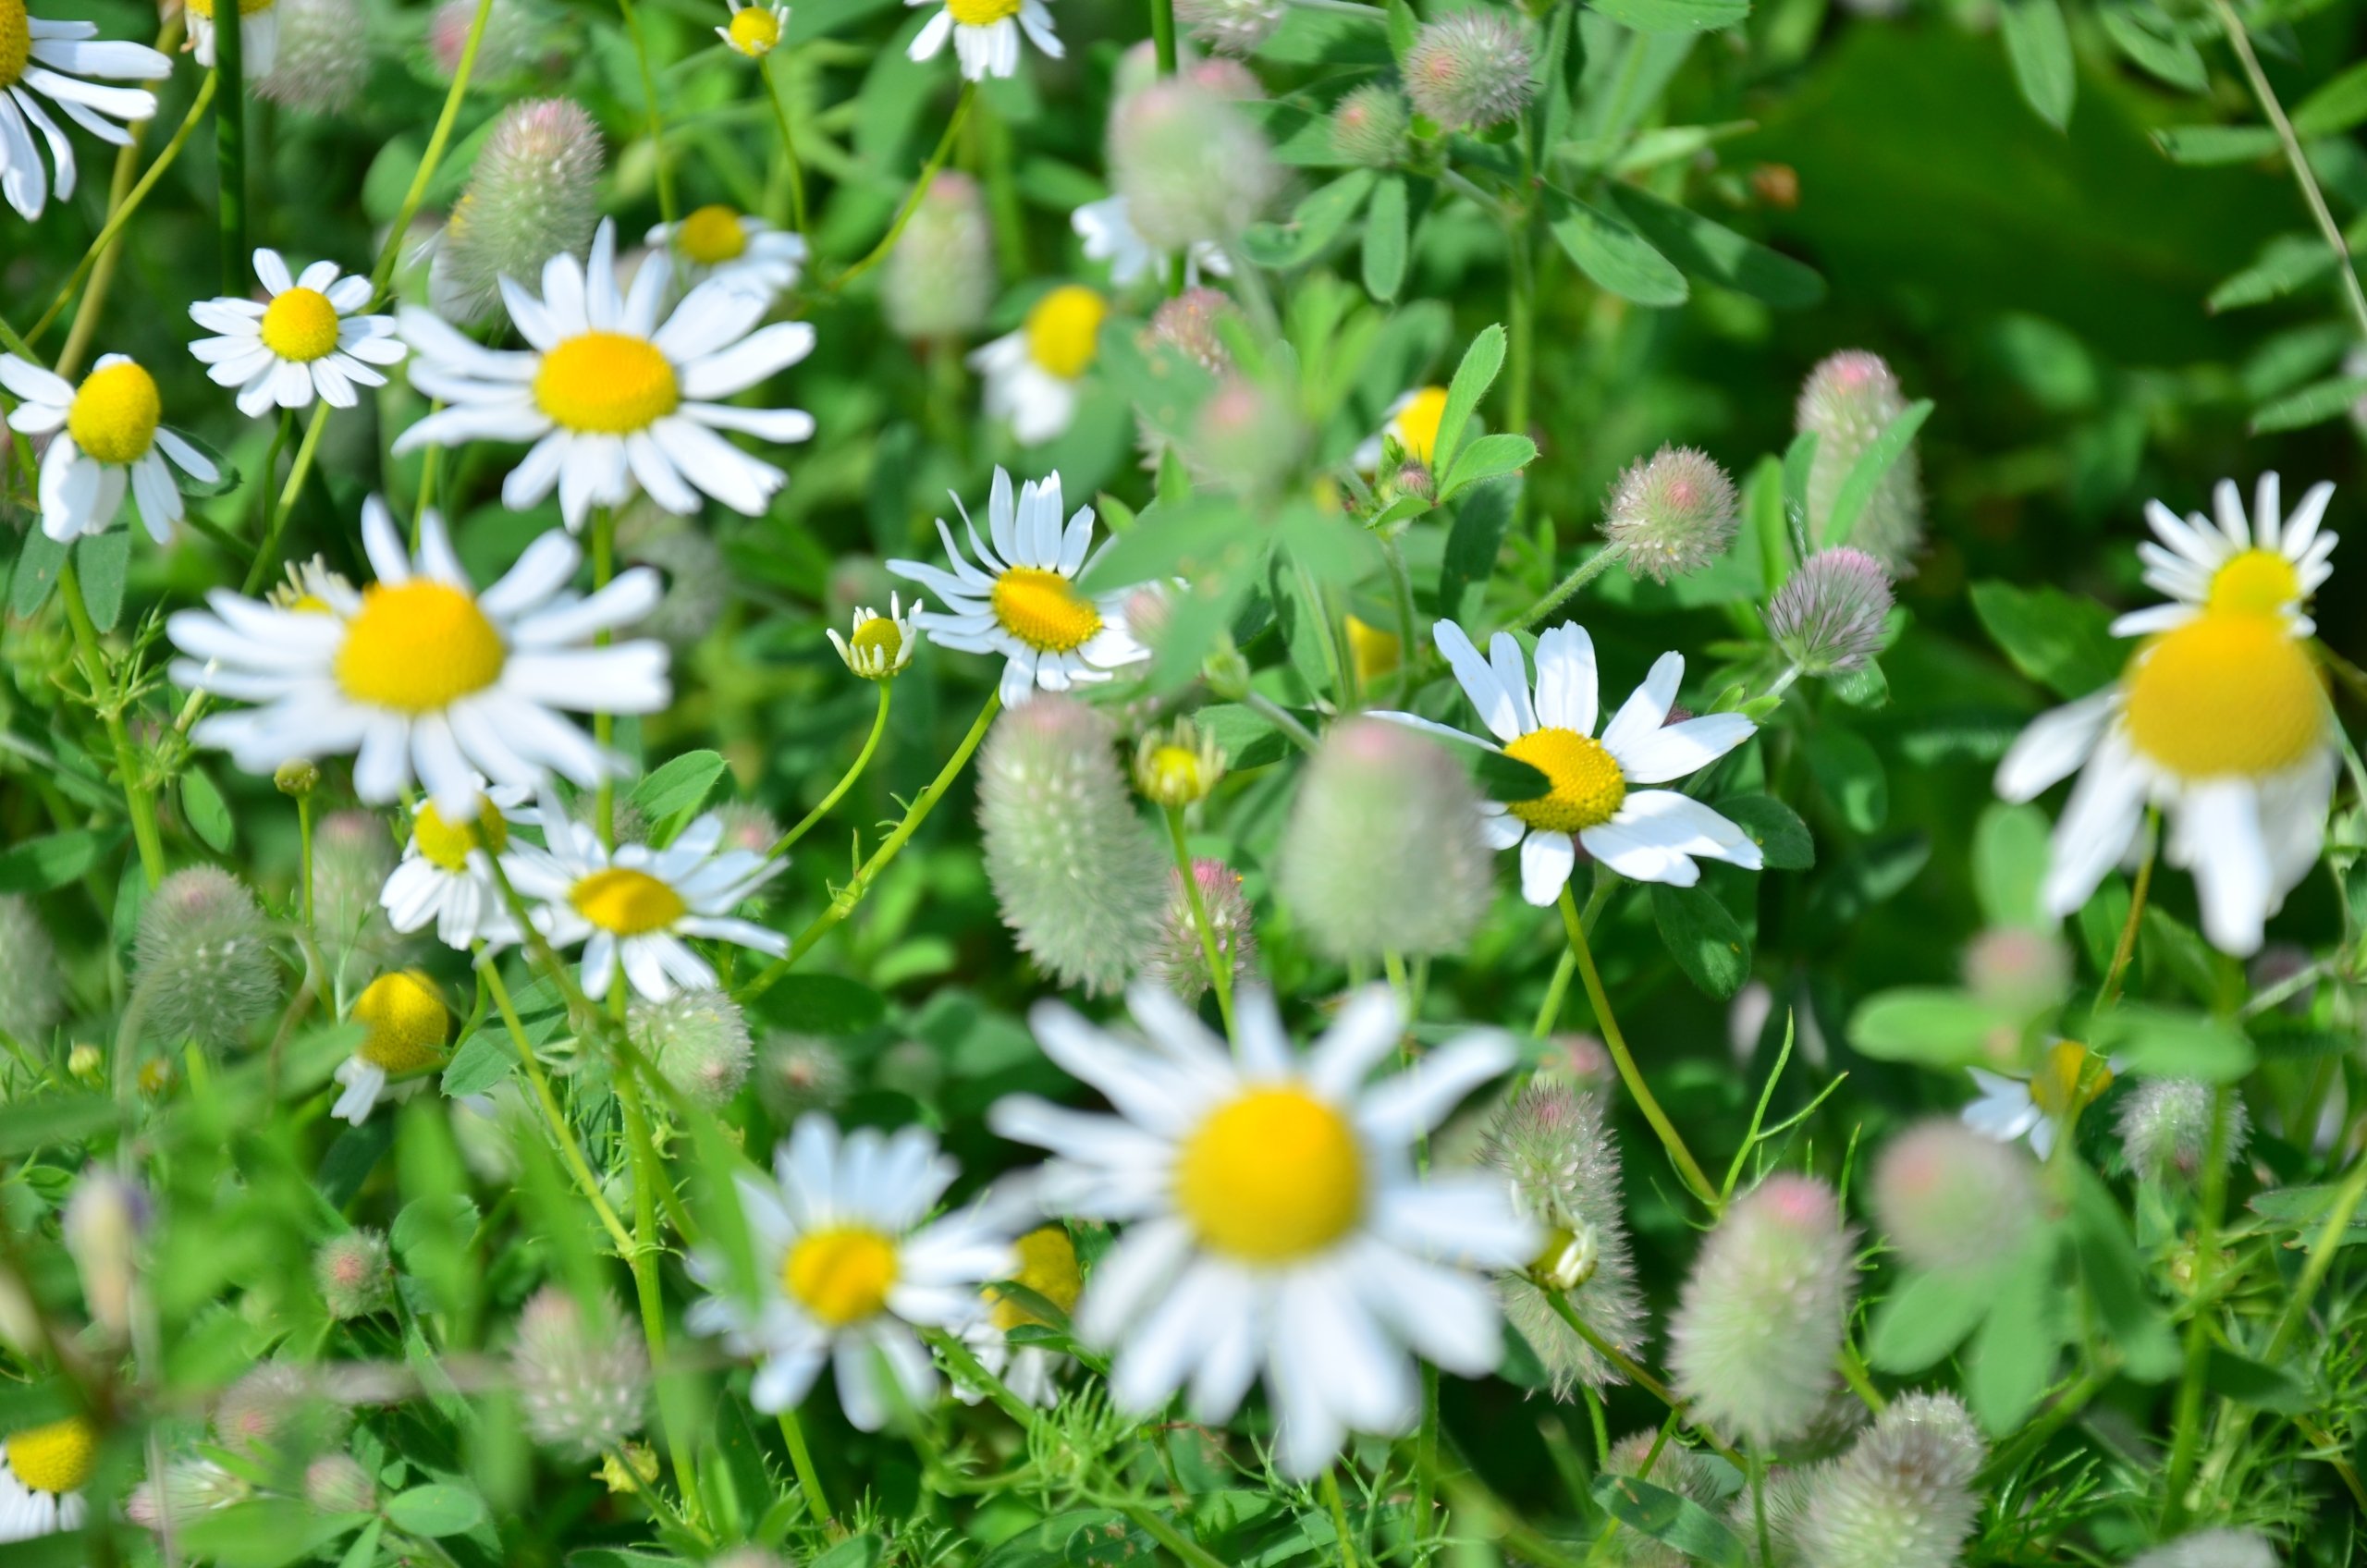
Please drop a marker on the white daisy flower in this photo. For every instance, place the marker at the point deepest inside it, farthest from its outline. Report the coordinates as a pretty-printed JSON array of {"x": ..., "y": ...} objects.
[
  {"x": 1644, "y": 835},
  {"x": 986, "y": 33},
  {"x": 2267, "y": 563},
  {"x": 733, "y": 247},
  {"x": 407, "y": 1025},
  {"x": 1414, "y": 420},
  {"x": 631, "y": 906},
  {"x": 107, "y": 443},
  {"x": 422, "y": 677},
  {"x": 1109, "y": 235},
  {"x": 846, "y": 1269},
  {"x": 1033, "y": 375},
  {"x": 446, "y": 875},
  {"x": 43, "y": 59},
  {"x": 258, "y": 35},
  {"x": 1047, "y": 1266},
  {"x": 1273, "y": 1215},
  {"x": 42, "y": 1471},
  {"x": 755, "y": 30},
  {"x": 2034, "y": 1107},
  {"x": 2222, "y": 723},
  {"x": 879, "y": 646},
  {"x": 1019, "y": 600},
  {"x": 611, "y": 397},
  {"x": 305, "y": 339}
]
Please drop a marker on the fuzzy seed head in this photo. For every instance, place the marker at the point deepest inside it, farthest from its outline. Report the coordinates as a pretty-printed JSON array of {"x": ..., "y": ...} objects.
[
  {"x": 1949, "y": 1198},
  {"x": 747, "y": 826},
  {"x": 535, "y": 194},
  {"x": 1902, "y": 1497},
  {"x": 355, "y": 1274},
  {"x": 698, "y": 1040},
  {"x": 1384, "y": 852},
  {"x": 1763, "y": 1312},
  {"x": 512, "y": 40},
  {"x": 203, "y": 958},
  {"x": 325, "y": 56},
  {"x": 1470, "y": 70},
  {"x": 1369, "y": 126},
  {"x": 1079, "y": 877},
  {"x": 1676, "y": 1469},
  {"x": 1229, "y": 27},
  {"x": 1191, "y": 166},
  {"x": 181, "y": 1493},
  {"x": 264, "y": 1407},
  {"x": 1555, "y": 1152},
  {"x": 1176, "y": 959},
  {"x": 800, "y": 1072},
  {"x": 1785, "y": 1494},
  {"x": 582, "y": 1378},
  {"x": 2212, "y": 1549},
  {"x": 1187, "y": 324},
  {"x": 1245, "y": 438},
  {"x": 1828, "y": 615},
  {"x": 335, "y": 1483},
  {"x": 32, "y": 991},
  {"x": 1671, "y": 514},
  {"x": 2165, "y": 1129},
  {"x": 940, "y": 277},
  {"x": 352, "y": 856},
  {"x": 2018, "y": 968},
  {"x": 1846, "y": 401}
]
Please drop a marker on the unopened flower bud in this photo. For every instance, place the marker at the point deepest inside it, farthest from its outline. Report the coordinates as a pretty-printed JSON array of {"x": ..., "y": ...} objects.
[
  {"x": 85, "y": 1062},
  {"x": 1902, "y": 1497},
  {"x": 1179, "y": 766},
  {"x": 1187, "y": 323},
  {"x": 535, "y": 194},
  {"x": 582, "y": 1378},
  {"x": 747, "y": 826},
  {"x": 698, "y": 1040},
  {"x": 182, "y": 1492},
  {"x": 206, "y": 971},
  {"x": 32, "y": 991},
  {"x": 1671, "y": 514},
  {"x": 1470, "y": 70},
  {"x": 324, "y": 59},
  {"x": 1555, "y": 1153},
  {"x": 299, "y": 778},
  {"x": 264, "y": 1407},
  {"x": 941, "y": 278},
  {"x": 1755, "y": 1338},
  {"x": 102, "y": 1227},
  {"x": 877, "y": 647},
  {"x": 800, "y": 1072},
  {"x": 1847, "y": 400},
  {"x": 335, "y": 1483},
  {"x": 1949, "y": 1198},
  {"x": 1828, "y": 617},
  {"x": 1178, "y": 960},
  {"x": 1229, "y": 27},
  {"x": 2165, "y": 1129},
  {"x": 1191, "y": 166},
  {"x": 353, "y": 855},
  {"x": 355, "y": 1275},
  {"x": 633, "y": 1471},
  {"x": 1369, "y": 126}
]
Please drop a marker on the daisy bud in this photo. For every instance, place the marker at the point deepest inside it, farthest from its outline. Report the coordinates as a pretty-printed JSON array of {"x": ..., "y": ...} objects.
[
  {"x": 1846, "y": 401},
  {"x": 1828, "y": 615},
  {"x": 2165, "y": 1129},
  {"x": 800, "y": 1072},
  {"x": 260, "y": 1410},
  {"x": 84, "y": 1061},
  {"x": 324, "y": 60},
  {"x": 698, "y": 584},
  {"x": 181, "y": 1493},
  {"x": 1078, "y": 874},
  {"x": 510, "y": 43},
  {"x": 336, "y": 1483},
  {"x": 1676, "y": 1468},
  {"x": 1229, "y": 27},
  {"x": 1554, "y": 1151},
  {"x": 355, "y": 1275},
  {"x": 747, "y": 826},
  {"x": 352, "y": 856},
  {"x": 2016, "y": 967},
  {"x": 533, "y": 195},
  {"x": 1949, "y": 1198},
  {"x": 1178, "y": 766},
  {"x": 1369, "y": 126},
  {"x": 33, "y": 992},
  {"x": 1753, "y": 1343},
  {"x": 102, "y": 1227},
  {"x": 1470, "y": 70},
  {"x": 1187, "y": 324},
  {"x": 698, "y": 1040},
  {"x": 1671, "y": 514},
  {"x": 2212, "y": 1549},
  {"x": 1176, "y": 959},
  {"x": 1902, "y": 1497},
  {"x": 1384, "y": 852},
  {"x": 941, "y": 278},
  {"x": 1192, "y": 168},
  {"x": 204, "y": 960},
  {"x": 297, "y": 778},
  {"x": 582, "y": 1377}
]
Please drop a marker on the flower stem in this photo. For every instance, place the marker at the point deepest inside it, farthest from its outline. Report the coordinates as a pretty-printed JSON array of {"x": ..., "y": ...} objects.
[
  {"x": 230, "y": 147},
  {"x": 437, "y": 139},
  {"x": 1219, "y": 969},
  {"x": 862, "y": 761},
  {"x": 276, "y": 514},
  {"x": 1162, "y": 33},
  {"x": 656, "y": 122},
  {"x": 788, "y": 144},
  {"x": 642, "y": 1152},
  {"x": 920, "y": 188},
  {"x": 1400, "y": 585},
  {"x": 1631, "y": 1369},
  {"x": 1426, "y": 1461},
  {"x": 570, "y": 1151},
  {"x": 809, "y": 1480},
  {"x": 1594, "y": 566},
  {"x": 2127, "y": 946},
  {"x": 603, "y": 723},
  {"x": 139, "y": 800},
  {"x": 2186, "y": 1430},
  {"x": 1339, "y": 1515},
  {"x": 304, "y": 840}
]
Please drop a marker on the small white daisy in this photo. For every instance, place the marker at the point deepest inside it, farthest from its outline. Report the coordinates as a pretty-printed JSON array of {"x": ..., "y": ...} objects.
[
  {"x": 1414, "y": 420},
  {"x": 733, "y": 247},
  {"x": 1109, "y": 235},
  {"x": 305, "y": 339},
  {"x": 1274, "y": 1216},
  {"x": 407, "y": 1025},
  {"x": 1021, "y": 599},
  {"x": 986, "y": 33},
  {"x": 2266, "y": 563},
  {"x": 446, "y": 875},
  {"x": 258, "y": 35},
  {"x": 755, "y": 30},
  {"x": 1644, "y": 835},
  {"x": 846, "y": 1269},
  {"x": 42, "y": 1472},
  {"x": 611, "y": 397},
  {"x": 2034, "y": 1107},
  {"x": 1033, "y": 375},
  {"x": 422, "y": 677},
  {"x": 43, "y": 59},
  {"x": 107, "y": 442},
  {"x": 879, "y": 646},
  {"x": 632, "y": 907}
]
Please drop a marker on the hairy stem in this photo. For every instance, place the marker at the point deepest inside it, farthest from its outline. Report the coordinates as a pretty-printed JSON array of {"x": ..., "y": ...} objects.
[
  {"x": 138, "y": 799},
  {"x": 1219, "y": 971},
  {"x": 846, "y": 782},
  {"x": 879, "y": 252}
]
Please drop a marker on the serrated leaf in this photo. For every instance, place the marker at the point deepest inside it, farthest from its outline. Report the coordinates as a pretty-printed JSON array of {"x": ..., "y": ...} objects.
[
  {"x": 2313, "y": 404},
  {"x": 2037, "y": 45},
  {"x": 2335, "y": 106},
  {"x": 1702, "y": 937}
]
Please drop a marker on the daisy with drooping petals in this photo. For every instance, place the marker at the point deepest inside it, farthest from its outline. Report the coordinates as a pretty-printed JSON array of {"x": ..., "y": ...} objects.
[
  {"x": 1109, "y": 236},
  {"x": 755, "y": 30},
  {"x": 986, "y": 33},
  {"x": 43, "y": 59},
  {"x": 1047, "y": 1267},
  {"x": 1274, "y": 1217},
  {"x": 733, "y": 247},
  {"x": 408, "y": 1023},
  {"x": 1413, "y": 421},
  {"x": 108, "y": 442},
  {"x": 446, "y": 874},
  {"x": 631, "y": 907},
  {"x": 1033, "y": 375},
  {"x": 879, "y": 646},
  {"x": 2034, "y": 1108},
  {"x": 609, "y": 396},
  {"x": 1644, "y": 835},
  {"x": 42, "y": 1472},
  {"x": 420, "y": 675},
  {"x": 2267, "y": 563},
  {"x": 258, "y": 35},
  {"x": 305, "y": 339},
  {"x": 846, "y": 1270},
  {"x": 1019, "y": 600}
]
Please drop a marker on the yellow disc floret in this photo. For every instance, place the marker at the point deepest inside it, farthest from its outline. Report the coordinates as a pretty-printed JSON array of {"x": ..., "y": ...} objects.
[
  {"x": 114, "y": 413},
  {"x": 1043, "y": 609},
  {"x": 448, "y": 844},
  {"x": 2257, "y": 581},
  {"x": 713, "y": 233},
  {"x": 755, "y": 30},
  {"x": 1048, "y": 1267},
  {"x": 2057, "y": 1080},
  {"x": 300, "y": 325},
  {"x": 1588, "y": 786},
  {"x": 879, "y": 640},
  {"x": 1417, "y": 425},
  {"x": 1272, "y": 1176},
  {"x": 841, "y": 1275},
  {"x": 16, "y": 41},
  {"x": 407, "y": 1022},
  {"x": 55, "y": 1458},
  {"x": 1064, "y": 327},
  {"x": 2226, "y": 695},
  {"x": 981, "y": 12},
  {"x": 606, "y": 384},
  {"x": 627, "y": 903},
  {"x": 417, "y": 647}
]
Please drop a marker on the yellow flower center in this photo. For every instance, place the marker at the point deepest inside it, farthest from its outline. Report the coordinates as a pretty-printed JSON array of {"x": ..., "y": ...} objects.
[
  {"x": 16, "y": 41},
  {"x": 2058, "y": 1079},
  {"x": 629, "y": 903},
  {"x": 418, "y": 646},
  {"x": 712, "y": 233},
  {"x": 1175, "y": 773},
  {"x": 1273, "y": 1176},
  {"x": 755, "y": 31},
  {"x": 606, "y": 384},
  {"x": 841, "y": 1275},
  {"x": 113, "y": 414},
  {"x": 60, "y": 1456},
  {"x": 448, "y": 843},
  {"x": 246, "y": 7},
  {"x": 1064, "y": 327},
  {"x": 2225, "y": 695},
  {"x": 981, "y": 12},
  {"x": 1588, "y": 786},
  {"x": 1043, "y": 610},
  {"x": 2261, "y": 582},
  {"x": 878, "y": 638},
  {"x": 406, "y": 1020},
  {"x": 1417, "y": 425},
  {"x": 1048, "y": 1267},
  {"x": 300, "y": 325}
]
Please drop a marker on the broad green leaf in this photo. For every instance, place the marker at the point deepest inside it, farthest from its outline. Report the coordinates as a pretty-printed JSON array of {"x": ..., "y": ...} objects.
[
  {"x": 53, "y": 1122},
  {"x": 2146, "y": 37},
  {"x": 263, "y": 1532},
  {"x": 436, "y": 1510},
  {"x": 2206, "y": 145},
  {"x": 1873, "y": 465},
  {"x": 1934, "y": 1026},
  {"x": 2064, "y": 643},
  {"x": 2287, "y": 263},
  {"x": 1850, "y": 773},
  {"x": 2009, "y": 859},
  {"x": 1504, "y": 777},
  {"x": 1671, "y": 1518},
  {"x": 2159, "y": 1043},
  {"x": 1702, "y": 937},
  {"x": 101, "y": 560},
  {"x": 2013, "y": 1355},
  {"x": 2038, "y": 46},
  {"x": 1926, "y": 1317},
  {"x": 1387, "y": 237},
  {"x": 1783, "y": 839},
  {"x": 2335, "y": 107},
  {"x": 1674, "y": 15},
  {"x": 51, "y": 861},
  {"x": 1608, "y": 250},
  {"x": 1473, "y": 375},
  {"x": 680, "y": 788},
  {"x": 2313, "y": 404},
  {"x": 36, "y": 573},
  {"x": 1074, "y": 1539},
  {"x": 2256, "y": 1384},
  {"x": 484, "y": 1060},
  {"x": 2116, "y": 1280},
  {"x": 209, "y": 817},
  {"x": 1706, "y": 249},
  {"x": 1489, "y": 456},
  {"x": 1314, "y": 224},
  {"x": 1481, "y": 514}
]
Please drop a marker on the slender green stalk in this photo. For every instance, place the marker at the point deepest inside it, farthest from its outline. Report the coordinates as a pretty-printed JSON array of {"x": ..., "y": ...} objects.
[
  {"x": 275, "y": 518},
  {"x": 879, "y": 252},
  {"x": 603, "y": 723},
  {"x": 1280, "y": 718},
  {"x": 1633, "y": 1371},
  {"x": 437, "y": 139},
  {"x": 1163, "y": 34},
  {"x": 94, "y": 305},
  {"x": 1426, "y": 1463},
  {"x": 564, "y": 1135},
  {"x": 1219, "y": 971},
  {"x": 123, "y": 211},
  {"x": 1860, "y": 1380},
  {"x": 2126, "y": 947},
  {"x": 230, "y": 145},
  {"x": 1339, "y": 1515},
  {"x": 1520, "y": 371},
  {"x": 304, "y": 840},
  {"x": 846, "y": 782},
  {"x": 809, "y": 1480},
  {"x": 139, "y": 800},
  {"x": 1594, "y": 566},
  {"x": 788, "y": 143},
  {"x": 260, "y": 566},
  {"x": 1400, "y": 585},
  {"x": 2186, "y": 1429},
  {"x": 641, "y": 1151},
  {"x": 2322, "y": 1254}
]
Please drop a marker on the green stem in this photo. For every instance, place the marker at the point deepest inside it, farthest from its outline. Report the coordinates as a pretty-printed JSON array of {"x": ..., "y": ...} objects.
[
  {"x": 646, "y": 1176},
  {"x": 437, "y": 139},
  {"x": 260, "y": 566},
  {"x": 1162, "y": 33},
  {"x": 1280, "y": 718},
  {"x": 603, "y": 723},
  {"x": 2313, "y": 1273},
  {"x": 656, "y": 122},
  {"x": 2185, "y": 1431},
  {"x": 1400, "y": 585},
  {"x": 230, "y": 146},
  {"x": 1631, "y": 1369},
  {"x": 809, "y": 1480},
  {"x": 1594, "y": 566},
  {"x": 139, "y": 800},
  {"x": 275, "y": 517},
  {"x": 788, "y": 144},
  {"x": 920, "y": 188},
  {"x": 1860, "y": 1380},
  {"x": 1332, "y": 1497},
  {"x": 1219, "y": 969},
  {"x": 1521, "y": 350},
  {"x": 555, "y": 1118},
  {"x": 2127, "y": 946},
  {"x": 304, "y": 840},
  {"x": 110, "y": 257},
  {"x": 1426, "y": 1464},
  {"x": 863, "y": 759}
]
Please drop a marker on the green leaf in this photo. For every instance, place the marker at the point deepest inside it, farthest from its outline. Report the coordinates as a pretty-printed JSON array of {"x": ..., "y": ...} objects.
[
  {"x": 1703, "y": 939},
  {"x": 52, "y": 861},
  {"x": 1799, "y": 463},
  {"x": 1706, "y": 249},
  {"x": 680, "y": 788},
  {"x": 1613, "y": 255},
  {"x": 484, "y": 1060},
  {"x": 1850, "y": 774},
  {"x": 2010, "y": 853},
  {"x": 1926, "y": 1317},
  {"x": 1872, "y": 466},
  {"x": 2038, "y": 46},
  {"x": 1674, "y": 15},
  {"x": 37, "y": 563},
  {"x": 2014, "y": 1353},
  {"x": 1404, "y": 27},
  {"x": 1480, "y": 517},
  {"x": 2140, "y": 34},
  {"x": 263, "y": 1532},
  {"x": 436, "y": 1510},
  {"x": 53, "y": 1122},
  {"x": 1387, "y": 239},
  {"x": 1671, "y": 1518},
  {"x": 2208, "y": 145},
  {"x": 1074, "y": 1539},
  {"x": 2287, "y": 263},
  {"x": 863, "y": 1551},
  {"x": 1489, "y": 456},
  {"x": 209, "y": 815},
  {"x": 2335, "y": 107},
  {"x": 1473, "y": 375},
  {"x": 821, "y": 1004},
  {"x": 1783, "y": 839},
  {"x": 2159, "y": 1043},
  {"x": 2253, "y": 1383},
  {"x": 100, "y": 561},
  {"x": 1504, "y": 777},
  {"x": 1314, "y": 224},
  {"x": 1935, "y": 1025},
  {"x": 2062, "y": 642},
  {"x": 2116, "y": 1281},
  {"x": 2313, "y": 404}
]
